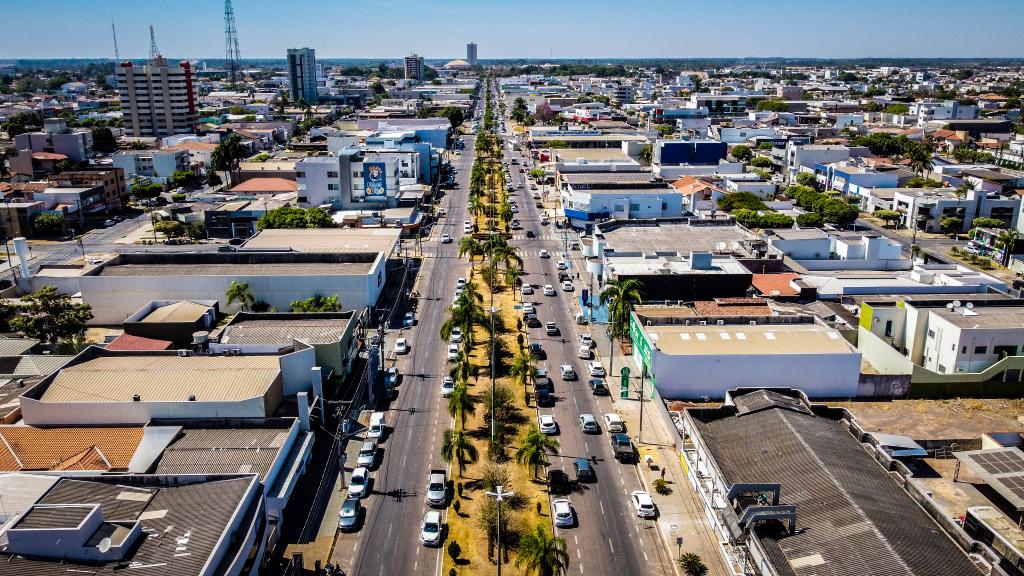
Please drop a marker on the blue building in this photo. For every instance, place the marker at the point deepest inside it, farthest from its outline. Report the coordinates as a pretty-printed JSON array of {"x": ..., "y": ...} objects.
[{"x": 676, "y": 152}]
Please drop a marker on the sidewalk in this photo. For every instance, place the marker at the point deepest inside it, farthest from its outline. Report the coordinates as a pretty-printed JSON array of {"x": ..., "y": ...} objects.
[{"x": 680, "y": 513}]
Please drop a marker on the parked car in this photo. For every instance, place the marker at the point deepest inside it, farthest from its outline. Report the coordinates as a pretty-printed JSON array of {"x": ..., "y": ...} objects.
[
  {"x": 547, "y": 424},
  {"x": 597, "y": 387},
  {"x": 401, "y": 346},
  {"x": 643, "y": 504},
  {"x": 532, "y": 321},
  {"x": 455, "y": 337},
  {"x": 613, "y": 423},
  {"x": 526, "y": 290},
  {"x": 528, "y": 308},
  {"x": 537, "y": 351},
  {"x": 623, "y": 447},
  {"x": 558, "y": 482},
  {"x": 431, "y": 529},
  {"x": 348, "y": 517},
  {"x": 561, "y": 509},
  {"x": 447, "y": 386},
  {"x": 567, "y": 286},
  {"x": 408, "y": 320},
  {"x": 589, "y": 424},
  {"x": 453, "y": 352},
  {"x": 583, "y": 352},
  {"x": 586, "y": 340},
  {"x": 367, "y": 454},
  {"x": 437, "y": 488},
  {"x": 359, "y": 482}
]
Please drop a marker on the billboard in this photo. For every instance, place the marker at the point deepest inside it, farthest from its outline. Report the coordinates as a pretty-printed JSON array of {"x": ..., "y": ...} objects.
[{"x": 374, "y": 179}]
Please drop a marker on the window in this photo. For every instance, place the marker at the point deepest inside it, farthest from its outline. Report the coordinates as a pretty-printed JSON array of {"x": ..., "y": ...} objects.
[
  {"x": 888, "y": 327},
  {"x": 332, "y": 187},
  {"x": 664, "y": 206},
  {"x": 981, "y": 349},
  {"x": 303, "y": 199},
  {"x": 942, "y": 369},
  {"x": 1004, "y": 351},
  {"x": 634, "y": 207},
  {"x": 300, "y": 174},
  {"x": 332, "y": 174},
  {"x": 356, "y": 174},
  {"x": 962, "y": 350}
]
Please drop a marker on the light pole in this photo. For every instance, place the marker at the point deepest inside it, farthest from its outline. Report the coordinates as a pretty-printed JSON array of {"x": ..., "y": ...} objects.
[
  {"x": 643, "y": 376},
  {"x": 499, "y": 496}
]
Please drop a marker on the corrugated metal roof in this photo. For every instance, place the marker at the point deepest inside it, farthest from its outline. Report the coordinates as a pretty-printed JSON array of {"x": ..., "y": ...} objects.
[
  {"x": 164, "y": 379},
  {"x": 178, "y": 312},
  {"x": 310, "y": 330},
  {"x": 16, "y": 346}
]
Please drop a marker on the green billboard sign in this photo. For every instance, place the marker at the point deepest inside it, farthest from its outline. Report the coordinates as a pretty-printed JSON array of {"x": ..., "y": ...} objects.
[{"x": 624, "y": 382}]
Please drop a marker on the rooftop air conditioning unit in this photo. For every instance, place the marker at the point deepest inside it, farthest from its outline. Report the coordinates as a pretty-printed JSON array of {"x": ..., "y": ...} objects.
[
  {"x": 136, "y": 398},
  {"x": 721, "y": 322},
  {"x": 191, "y": 397},
  {"x": 236, "y": 351},
  {"x": 703, "y": 322},
  {"x": 753, "y": 322},
  {"x": 183, "y": 353}
]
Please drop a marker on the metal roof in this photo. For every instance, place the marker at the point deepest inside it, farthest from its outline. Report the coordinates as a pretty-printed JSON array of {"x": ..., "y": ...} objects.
[
  {"x": 309, "y": 330},
  {"x": 183, "y": 311},
  {"x": 223, "y": 451}
]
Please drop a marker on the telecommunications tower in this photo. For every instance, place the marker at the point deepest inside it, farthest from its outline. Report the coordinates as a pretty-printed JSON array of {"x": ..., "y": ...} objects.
[{"x": 231, "y": 57}]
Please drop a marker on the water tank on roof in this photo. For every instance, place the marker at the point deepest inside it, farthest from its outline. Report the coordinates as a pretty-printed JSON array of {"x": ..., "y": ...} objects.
[{"x": 201, "y": 338}]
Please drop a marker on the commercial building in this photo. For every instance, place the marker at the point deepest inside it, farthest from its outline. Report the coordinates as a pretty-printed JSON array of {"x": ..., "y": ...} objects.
[
  {"x": 676, "y": 152},
  {"x": 238, "y": 218},
  {"x": 302, "y": 75},
  {"x": 157, "y": 99},
  {"x": 182, "y": 524},
  {"x": 340, "y": 182},
  {"x": 933, "y": 278},
  {"x": 815, "y": 249},
  {"x": 690, "y": 357},
  {"x": 791, "y": 490},
  {"x": 157, "y": 164},
  {"x": 590, "y": 197},
  {"x": 414, "y": 67},
  {"x": 471, "y": 54},
  {"x": 112, "y": 180},
  {"x": 56, "y": 137},
  {"x": 924, "y": 208}
]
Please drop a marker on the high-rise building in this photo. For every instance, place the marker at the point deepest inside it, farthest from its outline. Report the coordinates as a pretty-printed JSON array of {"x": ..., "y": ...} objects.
[
  {"x": 302, "y": 74},
  {"x": 157, "y": 99},
  {"x": 414, "y": 68},
  {"x": 471, "y": 53}
]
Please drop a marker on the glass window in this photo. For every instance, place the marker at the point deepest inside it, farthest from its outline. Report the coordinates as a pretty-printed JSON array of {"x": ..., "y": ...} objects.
[{"x": 981, "y": 349}]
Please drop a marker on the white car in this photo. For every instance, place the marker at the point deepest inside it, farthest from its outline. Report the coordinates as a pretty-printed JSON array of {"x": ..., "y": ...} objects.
[
  {"x": 528, "y": 308},
  {"x": 359, "y": 483},
  {"x": 544, "y": 254},
  {"x": 430, "y": 530},
  {"x": 456, "y": 336},
  {"x": 596, "y": 370},
  {"x": 467, "y": 229},
  {"x": 460, "y": 283},
  {"x": 549, "y": 290},
  {"x": 567, "y": 286},
  {"x": 367, "y": 454},
  {"x": 561, "y": 509},
  {"x": 613, "y": 423},
  {"x": 401, "y": 346},
  {"x": 453, "y": 352},
  {"x": 643, "y": 504},
  {"x": 589, "y": 424},
  {"x": 561, "y": 265},
  {"x": 547, "y": 424},
  {"x": 526, "y": 290},
  {"x": 568, "y": 373},
  {"x": 447, "y": 386},
  {"x": 586, "y": 340},
  {"x": 446, "y": 238},
  {"x": 583, "y": 352}
]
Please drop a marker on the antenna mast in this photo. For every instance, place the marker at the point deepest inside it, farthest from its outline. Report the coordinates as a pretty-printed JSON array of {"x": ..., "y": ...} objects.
[
  {"x": 154, "y": 52},
  {"x": 117, "y": 53},
  {"x": 231, "y": 55}
]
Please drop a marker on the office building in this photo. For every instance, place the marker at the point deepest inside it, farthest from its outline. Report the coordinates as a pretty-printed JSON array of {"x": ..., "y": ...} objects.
[
  {"x": 57, "y": 138},
  {"x": 157, "y": 99},
  {"x": 302, "y": 74},
  {"x": 471, "y": 53},
  {"x": 414, "y": 67}
]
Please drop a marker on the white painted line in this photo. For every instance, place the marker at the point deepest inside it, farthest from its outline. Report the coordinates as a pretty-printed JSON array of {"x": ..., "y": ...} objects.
[
  {"x": 611, "y": 546},
  {"x": 599, "y": 503},
  {"x": 645, "y": 555}
]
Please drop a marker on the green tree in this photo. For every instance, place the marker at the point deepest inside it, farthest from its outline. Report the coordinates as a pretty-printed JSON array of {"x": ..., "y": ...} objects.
[
  {"x": 556, "y": 144},
  {"x": 809, "y": 220},
  {"x": 806, "y": 179},
  {"x": 984, "y": 222},
  {"x": 170, "y": 228},
  {"x": 737, "y": 200},
  {"x": 772, "y": 105},
  {"x": 742, "y": 152},
  {"x": 317, "y": 303},
  {"x": 896, "y": 108},
  {"x": 950, "y": 224},
  {"x": 1006, "y": 240},
  {"x": 541, "y": 554},
  {"x": 103, "y": 140},
  {"x": 523, "y": 367},
  {"x": 47, "y": 224},
  {"x": 761, "y": 162},
  {"x": 461, "y": 403},
  {"x": 454, "y": 115},
  {"x": 227, "y": 154},
  {"x": 534, "y": 450},
  {"x": 692, "y": 564},
  {"x": 889, "y": 216},
  {"x": 469, "y": 246},
  {"x": 213, "y": 179},
  {"x": 920, "y": 160},
  {"x": 456, "y": 445},
  {"x": 646, "y": 155},
  {"x": 620, "y": 296},
  {"x": 839, "y": 212},
  {"x": 318, "y": 218},
  {"x": 50, "y": 316},
  {"x": 238, "y": 294}
]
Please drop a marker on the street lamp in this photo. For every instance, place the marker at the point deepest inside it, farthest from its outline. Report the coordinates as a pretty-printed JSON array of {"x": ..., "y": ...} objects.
[{"x": 499, "y": 496}]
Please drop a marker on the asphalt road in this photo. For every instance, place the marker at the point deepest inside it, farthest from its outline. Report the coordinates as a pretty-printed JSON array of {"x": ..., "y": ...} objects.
[
  {"x": 388, "y": 542},
  {"x": 608, "y": 537}
]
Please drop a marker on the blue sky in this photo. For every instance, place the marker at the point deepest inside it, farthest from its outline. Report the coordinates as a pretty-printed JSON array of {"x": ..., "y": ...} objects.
[{"x": 520, "y": 28}]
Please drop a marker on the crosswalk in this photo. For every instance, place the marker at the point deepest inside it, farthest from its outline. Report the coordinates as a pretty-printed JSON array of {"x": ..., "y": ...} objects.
[{"x": 522, "y": 236}]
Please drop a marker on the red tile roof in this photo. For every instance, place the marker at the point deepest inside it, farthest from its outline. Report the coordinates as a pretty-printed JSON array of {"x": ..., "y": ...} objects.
[
  {"x": 24, "y": 448},
  {"x": 732, "y": 307},
  {"x": 191, "y": 145},
  {"x": 266, "y": 185},
  {"x": 130, "y": 342},
  {"x": 775, "y": 284},
  {"x": 48, "y": 156}
]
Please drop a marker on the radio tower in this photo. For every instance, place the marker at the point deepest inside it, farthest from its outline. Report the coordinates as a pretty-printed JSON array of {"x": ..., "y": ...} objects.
[
  {"x": 154, "y": 52},
  {"x": 231, "y": 56},
  {"x": 117, "y": 53}
]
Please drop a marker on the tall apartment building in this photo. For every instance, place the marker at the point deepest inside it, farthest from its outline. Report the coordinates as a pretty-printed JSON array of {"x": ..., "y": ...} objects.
[
  {"x": 471, "y": 53},
  {"x": 302, "y": 74},
  {"x": 414, "y": 67},
  {"x": 157, "y": 99}
]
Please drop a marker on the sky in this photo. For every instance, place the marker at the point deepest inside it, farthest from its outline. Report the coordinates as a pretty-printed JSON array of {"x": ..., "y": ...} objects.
[{"x": 194, "y": 29}]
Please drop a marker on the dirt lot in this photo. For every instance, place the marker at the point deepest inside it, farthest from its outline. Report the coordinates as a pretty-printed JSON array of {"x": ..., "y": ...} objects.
[{"x": 938, "y": 419}]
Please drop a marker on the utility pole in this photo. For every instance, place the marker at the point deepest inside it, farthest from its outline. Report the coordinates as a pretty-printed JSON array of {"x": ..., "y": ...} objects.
[
  {"x": 500, "y": 496},
  {"x": 640, "y": 432}
]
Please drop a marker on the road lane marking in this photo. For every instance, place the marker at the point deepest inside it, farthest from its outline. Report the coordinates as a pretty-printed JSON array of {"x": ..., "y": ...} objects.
[
  {"x": 599, "y": 502},
  {"x": 611, "y": 546}
]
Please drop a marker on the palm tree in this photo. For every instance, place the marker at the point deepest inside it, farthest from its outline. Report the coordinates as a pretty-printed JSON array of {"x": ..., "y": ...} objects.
[
  {"x": 692, "y": 564},
  {"x": 1007, "y": 241},
  {"x": 476, "y": 206},
  {"x": 920, "y": 160},
  {"x": 646, "y": 154},
  {"x": 456, "y": 445},
  {"x": 541, "y": 553},
  {"x": 533, "y": 452},
  {"x": 460, "y": 403},
  {"x": 620, "y": 296},
  {"x": 469, "y": 245},
  {"x": 523, "y": 367},
  {"x": 238, "y": 293},
  {"x": 512, "y": 272}
]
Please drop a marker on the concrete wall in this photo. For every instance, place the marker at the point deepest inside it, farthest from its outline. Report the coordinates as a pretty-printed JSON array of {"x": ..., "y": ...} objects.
[
  {"x": 295, "y": 369},
  {"x": 36, "y": 413},
  {"x": 885, "y": 358}
]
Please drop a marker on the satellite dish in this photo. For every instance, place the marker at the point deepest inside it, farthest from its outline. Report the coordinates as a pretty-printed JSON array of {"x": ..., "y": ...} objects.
[
  {"x": 949, "y": 306},
  {"x": 104, "y": 546},
  {"x": 956, "y": 303},
  {"x": 970, "y": 305}
]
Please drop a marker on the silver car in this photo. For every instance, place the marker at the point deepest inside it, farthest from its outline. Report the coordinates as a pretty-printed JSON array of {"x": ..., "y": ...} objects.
[
  {"x": 348, "y": 518},
  {"x": 367, "y": 454}
]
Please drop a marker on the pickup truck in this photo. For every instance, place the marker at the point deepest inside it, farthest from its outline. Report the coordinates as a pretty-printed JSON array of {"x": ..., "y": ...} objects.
[
  {"x": 437, "y": 488},
  {"x": 623, "y": 447}
]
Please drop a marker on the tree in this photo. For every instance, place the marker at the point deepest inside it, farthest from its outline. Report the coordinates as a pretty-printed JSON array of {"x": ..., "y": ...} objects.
[
  {"x": 806, "y": 179},
  {"x": 469, "y": 246},
  {"x": 460, "y": 403},
  {"x": 523, "y": 367},
  {"x": 919, "y": 182},
  {"x": 541, "y": 553},
  {"x": 772, "y": 105},
  {"x": 737, "y": 200},
  {"x": 50, "y": 316},
  {"x": 809, "y": 220},
  {"x": 170, "y": 228},
  {"x": 839, "y": 212},
  {"x": 1007, "y": 242},
  {"x": 950, "y": 224},
  {"x": 889, "y": 216},
  {"x": 742, "y": 152},
  {"x": 317, "y": 303},
  {"x": 646, "y": 155},
  {"x": 761, "y": 162},
  {"x": 920, "y": 160},
  {"x": 227, "y": 154},
  {"x": 544, "y": 113},
  {"x": 47, "y": 224},
  {"x": 213, "y": 179},
  {"x": 318, "y": 218},
  {"x": 665, "y": 130},
  {"x": 557, "y": 144},
  {"x": 454, "y": 115},
  {"x": 238, "y": 293},
  {"x": 456, "y": 445},
  {"x": 620, "y": 296},
  {"x": 692, "y": 564},
  {"x": 984, "y": 222},
  {"x": 103, "y": 140},
  {"x": 503, "y": 401},
  {"x": 294, "y": 217},
  {"x": 534, "y": 450},
  {"x": 896, "y": 108}
]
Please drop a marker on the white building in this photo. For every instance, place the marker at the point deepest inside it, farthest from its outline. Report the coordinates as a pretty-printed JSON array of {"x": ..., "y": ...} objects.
[
  {"x": 941, "y": 111},
  {"x": 815, "y": 249},
  {"x": 157, "y": 164},
  {"x": 803, "y": 157}
]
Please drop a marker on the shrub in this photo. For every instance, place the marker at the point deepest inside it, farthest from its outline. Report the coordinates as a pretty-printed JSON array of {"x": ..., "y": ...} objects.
[
  {"x": 177, "y": 197},
  {"x": 742, "y": 152},
  {"x": 661, "y": 486},
  {"x": 454, "y": 550},
  {"x": 806, "y": 179},
  {"x": 809, "y": 220}
]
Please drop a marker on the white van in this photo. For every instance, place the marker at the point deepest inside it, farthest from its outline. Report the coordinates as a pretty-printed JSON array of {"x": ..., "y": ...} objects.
[{"x": 377, "y": 425}]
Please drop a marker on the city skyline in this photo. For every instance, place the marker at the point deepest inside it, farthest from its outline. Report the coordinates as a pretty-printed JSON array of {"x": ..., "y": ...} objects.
[{"x": 740, "y": 29}]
